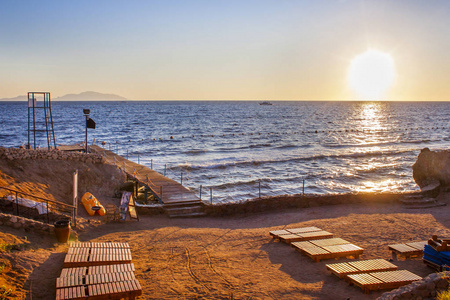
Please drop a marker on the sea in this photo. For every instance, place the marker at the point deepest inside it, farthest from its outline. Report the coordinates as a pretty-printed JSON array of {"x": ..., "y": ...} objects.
[{"x": 230, "y": 151}]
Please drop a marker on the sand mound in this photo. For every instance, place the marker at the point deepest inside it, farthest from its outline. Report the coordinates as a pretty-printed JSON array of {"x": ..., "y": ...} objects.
[{"x": 52, "y": 179}]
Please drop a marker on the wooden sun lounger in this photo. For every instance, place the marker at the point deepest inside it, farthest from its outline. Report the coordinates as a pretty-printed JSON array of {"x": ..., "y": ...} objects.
[
  {"x": 83, "y": 282},
  {"x": 97, "y": 255},
  {"x": 327, "y": 249},
  {"x": 277, "y": 233},
  {"x": 76, "y": 280},
  {"x": 98, "y": 245},
  {"x": 407, "y": 250},
  {"x": 98, "y": 271},
  {"x": 342, "y": 270},
  {"x": 300, "y": 234},
  {"x": 111, "y": 290},
  {"x": 383, "y": 280}
]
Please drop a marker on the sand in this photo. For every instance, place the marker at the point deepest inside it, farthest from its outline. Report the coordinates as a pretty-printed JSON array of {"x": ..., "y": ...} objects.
[
  {"x": 234, "y": 257},
  {"x": 225, "y": 257}
]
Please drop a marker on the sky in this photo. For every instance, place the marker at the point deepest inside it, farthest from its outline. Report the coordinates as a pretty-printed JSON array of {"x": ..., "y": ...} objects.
[{"x": 221, "y": 50}]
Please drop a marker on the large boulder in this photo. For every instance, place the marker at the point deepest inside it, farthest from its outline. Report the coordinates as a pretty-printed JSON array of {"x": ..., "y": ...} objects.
[{"x": 431, "y": 168}]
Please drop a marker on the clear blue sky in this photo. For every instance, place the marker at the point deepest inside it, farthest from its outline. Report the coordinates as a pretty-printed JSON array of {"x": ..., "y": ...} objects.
[{"x": 213, "y": 50}]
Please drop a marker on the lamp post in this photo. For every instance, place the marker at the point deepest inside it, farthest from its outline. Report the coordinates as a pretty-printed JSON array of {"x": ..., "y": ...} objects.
[{"x": 86, "y": 112}]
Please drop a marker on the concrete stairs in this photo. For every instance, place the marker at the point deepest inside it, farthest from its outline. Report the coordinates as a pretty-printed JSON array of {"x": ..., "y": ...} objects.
[
  {"x": 191, "y": 209},
  {"x": 419, "y": 201}
]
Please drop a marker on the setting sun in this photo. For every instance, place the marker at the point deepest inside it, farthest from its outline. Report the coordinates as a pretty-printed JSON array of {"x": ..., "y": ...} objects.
[{"x": 371, "y": 74}]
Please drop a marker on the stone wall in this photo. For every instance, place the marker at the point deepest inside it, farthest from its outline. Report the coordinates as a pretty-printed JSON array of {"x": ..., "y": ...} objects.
[
  {"x": 19, "y": 154},
  {"x": 426, "y": 288},
  {"x": 26, "y": 224}
]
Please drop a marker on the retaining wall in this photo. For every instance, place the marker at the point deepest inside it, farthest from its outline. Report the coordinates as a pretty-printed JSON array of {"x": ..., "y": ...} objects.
[
  {"x": 426, "y": 288},
  {"x": 26, "y": 224},
  {"x": 20, "y": 154}
]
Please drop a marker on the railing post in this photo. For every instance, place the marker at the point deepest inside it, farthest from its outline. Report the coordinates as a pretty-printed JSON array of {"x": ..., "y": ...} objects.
[
  {"x": 48, "y": 216},
  {"x": 165, "y": 168},
  {"x": 139, "y": 162},
  {"x": 200, "y": 192},
  {"x": 17, "y": 204},
  {"x": 181, "y": 181},
  {"x": 260, "y": 188},
  {"x": 151, "y": 163},
  {"x": 303, "y": 187},
  {"x": 210, "y": 192}
]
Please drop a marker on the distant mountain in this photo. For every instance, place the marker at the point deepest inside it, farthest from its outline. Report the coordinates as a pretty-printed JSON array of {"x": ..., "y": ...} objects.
[
  {"x": 18, "y": 98},
  {"x": 89, "y": 96},
  {"x": 85, "y": 96}
]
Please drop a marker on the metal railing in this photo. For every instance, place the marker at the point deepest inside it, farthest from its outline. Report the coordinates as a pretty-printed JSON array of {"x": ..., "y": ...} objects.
[
  {"x": 50, "y": 206},
  {"x": 164, "y": 170}
]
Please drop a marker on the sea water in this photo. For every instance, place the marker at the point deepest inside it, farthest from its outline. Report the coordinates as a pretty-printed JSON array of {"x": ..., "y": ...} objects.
[{"x": 240, "y": 150}]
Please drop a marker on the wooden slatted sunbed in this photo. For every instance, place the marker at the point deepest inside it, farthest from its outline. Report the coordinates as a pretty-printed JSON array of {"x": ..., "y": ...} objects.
[
  {"x": 98, "y": 245},
  {"x": 110, "y": 290},
  {"x": 407, "y": 250},
  {"x": 300, "y": 234},
  {"x": 98, "y": 271},
  {"x": 327, "y": 248},
  {"x": 383, "y": 280},
  {"x": 342, "y": 270},
  {"x": 96, "y": 255}
]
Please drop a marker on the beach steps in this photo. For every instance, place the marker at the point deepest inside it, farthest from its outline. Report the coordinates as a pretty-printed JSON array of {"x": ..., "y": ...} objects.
[
  {"x": 185, "y": 210},
  {"x": 418, "y": 201}
]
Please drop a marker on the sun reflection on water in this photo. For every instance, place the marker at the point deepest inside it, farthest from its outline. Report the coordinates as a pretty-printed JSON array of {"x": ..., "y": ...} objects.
[
  {"x": 372, "y": 116},
  {"x": 371, "y": 120}
]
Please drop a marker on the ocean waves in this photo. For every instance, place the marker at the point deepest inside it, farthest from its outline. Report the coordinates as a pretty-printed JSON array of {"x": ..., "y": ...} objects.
[
  {"x": 230, "y": 163},
  {"x": 237, "y": 148}
]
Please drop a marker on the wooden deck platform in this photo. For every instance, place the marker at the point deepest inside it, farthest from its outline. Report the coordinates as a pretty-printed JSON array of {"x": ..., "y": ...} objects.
[
  {"x": 383, "y": 280},
  {"x": 168, "y": 191},
  {"x": 407, "y": 250},
  {"x": 327, "y": 249},
  {"x": 342, "y": 270},
  {"x": 72, "y": 148}
]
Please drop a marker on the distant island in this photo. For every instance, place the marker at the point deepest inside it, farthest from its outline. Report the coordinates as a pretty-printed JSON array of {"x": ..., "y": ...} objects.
[{"x": 85, "y": 96}]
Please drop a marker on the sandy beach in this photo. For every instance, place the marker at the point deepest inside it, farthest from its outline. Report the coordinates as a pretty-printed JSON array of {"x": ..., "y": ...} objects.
[
  {"x": 234, "y": 257},
  {"x": 228, "y": 257}
]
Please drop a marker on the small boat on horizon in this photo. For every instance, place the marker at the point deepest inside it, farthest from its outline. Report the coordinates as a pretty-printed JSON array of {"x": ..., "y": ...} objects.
[{"x": 265, "y": 103}]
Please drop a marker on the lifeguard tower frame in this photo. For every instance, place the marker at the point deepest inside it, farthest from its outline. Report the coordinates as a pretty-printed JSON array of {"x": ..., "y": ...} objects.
[{"x": 36, "y": 109}]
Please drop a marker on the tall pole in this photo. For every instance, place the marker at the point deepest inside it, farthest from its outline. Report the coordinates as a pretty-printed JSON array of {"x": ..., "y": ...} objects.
[
  {"x": 86, "y": 113},
  {"x": 86, "y": 142},
  {"x": 75, "y": 198}
]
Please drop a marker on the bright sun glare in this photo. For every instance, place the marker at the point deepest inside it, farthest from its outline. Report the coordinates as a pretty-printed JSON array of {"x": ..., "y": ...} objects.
[{"x": 371, "y": 74}]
